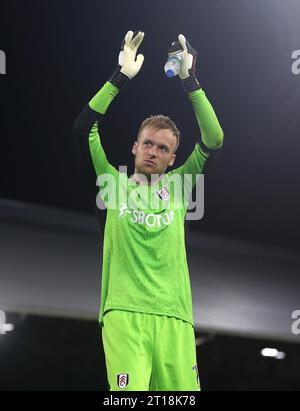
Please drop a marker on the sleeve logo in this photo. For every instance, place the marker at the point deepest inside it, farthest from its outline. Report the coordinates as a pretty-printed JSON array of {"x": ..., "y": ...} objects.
[{"x": 123, "y": 380}]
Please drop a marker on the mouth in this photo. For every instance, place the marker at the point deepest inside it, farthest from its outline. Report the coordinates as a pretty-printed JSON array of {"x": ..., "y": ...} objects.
[{"x": 150, "y": 163}]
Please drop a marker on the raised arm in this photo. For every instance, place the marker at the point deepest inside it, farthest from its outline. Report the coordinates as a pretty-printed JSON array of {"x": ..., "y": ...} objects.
[
  {"x": 91, "y": 156},
  {"x": 211, "y": 131},
  {"x": 87, "y": 124}
]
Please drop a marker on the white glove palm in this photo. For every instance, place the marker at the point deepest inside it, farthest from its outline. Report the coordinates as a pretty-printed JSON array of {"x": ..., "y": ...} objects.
[
  {"x": 130, "y": 64},
  {"x": 187, "y": 59}
]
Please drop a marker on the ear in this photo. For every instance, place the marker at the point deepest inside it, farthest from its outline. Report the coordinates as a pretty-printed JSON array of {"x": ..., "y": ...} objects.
[
  {"x": 134, "y": 148},
  {"x": 172, "y": 159}
]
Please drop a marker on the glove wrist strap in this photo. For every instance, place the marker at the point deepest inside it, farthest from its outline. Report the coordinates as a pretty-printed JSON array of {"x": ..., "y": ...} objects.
[
  {"x": 190, "y": 83},
  {"x": 119, "y": 79}
]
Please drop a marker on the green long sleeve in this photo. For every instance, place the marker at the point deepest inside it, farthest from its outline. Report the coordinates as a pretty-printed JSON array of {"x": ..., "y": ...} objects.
[
  {"x": 212, "y": 133},
  {"x": 101, "y": 101}
]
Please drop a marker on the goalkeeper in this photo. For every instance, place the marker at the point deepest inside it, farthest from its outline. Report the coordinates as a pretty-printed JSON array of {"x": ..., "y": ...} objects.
[{"x": 146, "y": 301}]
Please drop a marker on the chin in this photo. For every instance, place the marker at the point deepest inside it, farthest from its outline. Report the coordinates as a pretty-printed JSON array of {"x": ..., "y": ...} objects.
[{"x": 147, "y": 171}]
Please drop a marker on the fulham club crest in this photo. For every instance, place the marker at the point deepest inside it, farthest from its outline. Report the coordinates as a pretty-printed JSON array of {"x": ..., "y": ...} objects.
[
  {"x": 123, "y": 380},
  {"x": 163, "y": 193}
]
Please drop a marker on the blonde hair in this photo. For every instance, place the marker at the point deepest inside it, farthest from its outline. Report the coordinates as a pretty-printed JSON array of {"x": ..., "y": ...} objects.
[{"x": 161, "y": 122}]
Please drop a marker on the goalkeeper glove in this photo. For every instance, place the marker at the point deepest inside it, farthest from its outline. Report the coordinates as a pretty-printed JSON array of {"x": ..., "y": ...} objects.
[
  {"x": 189, "y": 55},
  {"x": 128, "y": 64}
]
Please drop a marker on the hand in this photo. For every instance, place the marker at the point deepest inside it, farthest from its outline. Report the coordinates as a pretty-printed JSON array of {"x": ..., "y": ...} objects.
[
  {"x": 189, "y": 57},
  {"x": 129, "y": 63}
]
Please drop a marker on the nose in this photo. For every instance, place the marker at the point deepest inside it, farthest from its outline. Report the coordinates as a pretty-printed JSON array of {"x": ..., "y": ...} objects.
[{"x": 152, "y": 151}]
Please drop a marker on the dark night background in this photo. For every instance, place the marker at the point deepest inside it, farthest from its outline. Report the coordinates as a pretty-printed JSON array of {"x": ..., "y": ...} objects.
[{"x": 60, "y": 53}]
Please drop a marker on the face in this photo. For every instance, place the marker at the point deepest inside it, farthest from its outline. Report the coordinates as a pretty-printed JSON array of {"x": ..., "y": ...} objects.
[{"x": 154, "y": 151}]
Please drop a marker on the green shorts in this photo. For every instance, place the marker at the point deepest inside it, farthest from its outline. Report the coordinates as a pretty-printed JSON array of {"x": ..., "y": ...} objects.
[{"x": 146, "y": 352}]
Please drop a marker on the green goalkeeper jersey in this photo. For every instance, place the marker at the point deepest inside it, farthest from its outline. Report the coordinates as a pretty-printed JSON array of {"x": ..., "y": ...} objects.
[{"x": 144, "y": 257}]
